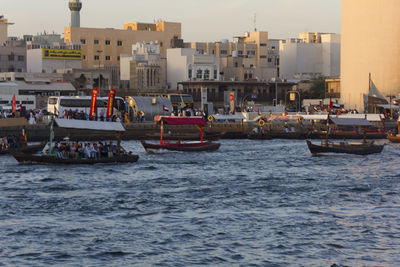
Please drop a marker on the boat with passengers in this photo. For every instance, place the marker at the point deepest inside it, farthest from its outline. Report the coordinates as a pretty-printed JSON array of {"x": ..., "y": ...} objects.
[
  {"x": 359, "y": 148},
  {"x": 192, "y": 146},
  {"x": 60, "y": 154}
]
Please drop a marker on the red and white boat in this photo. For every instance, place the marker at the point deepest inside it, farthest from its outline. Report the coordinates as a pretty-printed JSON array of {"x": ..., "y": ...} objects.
[{"x": 193, "y": 146}]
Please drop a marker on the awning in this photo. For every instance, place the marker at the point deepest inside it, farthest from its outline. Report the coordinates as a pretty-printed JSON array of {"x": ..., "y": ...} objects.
[
  {"x": 350, "y": 121},
  {"x": 388, "y": 106},
  {"x": 172, "y": 120},
  {"x": 90, "y": 125}
]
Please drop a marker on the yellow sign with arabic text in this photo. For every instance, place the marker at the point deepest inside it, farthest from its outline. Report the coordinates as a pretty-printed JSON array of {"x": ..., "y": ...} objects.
[{"x": 62, "y": 54}]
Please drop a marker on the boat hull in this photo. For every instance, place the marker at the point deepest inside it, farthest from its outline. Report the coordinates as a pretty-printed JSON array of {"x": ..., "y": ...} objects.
[
  {"x": 186, "y": 147},
  {"x": 25, "y": 158},
  {"x": 357, "y": 149}
]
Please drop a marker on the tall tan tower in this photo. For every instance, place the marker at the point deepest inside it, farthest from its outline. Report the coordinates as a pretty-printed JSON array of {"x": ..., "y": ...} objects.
[{"x": 370, "y": 45}]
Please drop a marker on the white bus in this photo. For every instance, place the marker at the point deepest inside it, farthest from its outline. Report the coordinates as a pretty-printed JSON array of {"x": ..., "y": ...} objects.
[
  {"x": 57, "y": 105},
  {"x": 27, "y": 101}
]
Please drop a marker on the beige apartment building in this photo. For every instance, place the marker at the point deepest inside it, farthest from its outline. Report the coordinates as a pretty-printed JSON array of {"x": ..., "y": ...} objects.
[
  {"x": 103, "y": 47},
  {"x": 251, "y": 45},
  {"x": 370, "y": 45}
]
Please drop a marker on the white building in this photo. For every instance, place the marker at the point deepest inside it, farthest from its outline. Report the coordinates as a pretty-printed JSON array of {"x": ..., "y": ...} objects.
[
  {"x": 186, "y": 64},
  {"x": 45, "y": 59},
  {"x": 311, "y": 57},
  {"x": 144, "y": 69}
]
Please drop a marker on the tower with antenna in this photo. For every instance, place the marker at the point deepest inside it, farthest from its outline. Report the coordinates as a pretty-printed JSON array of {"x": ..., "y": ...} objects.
[{"x": 75, "y": 6}]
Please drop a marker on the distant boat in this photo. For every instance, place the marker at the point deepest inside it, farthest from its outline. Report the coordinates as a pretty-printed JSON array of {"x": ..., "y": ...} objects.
[
  {"x": 194, "y": 146},
  {"x": 359, "y": 148}
]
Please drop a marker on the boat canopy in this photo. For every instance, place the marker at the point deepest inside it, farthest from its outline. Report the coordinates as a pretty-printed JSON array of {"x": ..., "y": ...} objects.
[
  {"x": 90, "y": 125},
  {"x": 173, "y": 120},
  {"x": 350, "y": 121},
  {"x": 369, "y": 117}
]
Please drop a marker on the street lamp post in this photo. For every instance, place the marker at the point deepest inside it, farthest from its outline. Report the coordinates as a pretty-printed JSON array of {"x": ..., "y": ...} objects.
[{"x": 99, "y": 52}]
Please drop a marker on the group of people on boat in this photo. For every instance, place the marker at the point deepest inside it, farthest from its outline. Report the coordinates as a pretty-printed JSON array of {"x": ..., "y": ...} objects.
[
  {"x": 81, "y": 115},
  {"x": 88, "y": 150}
]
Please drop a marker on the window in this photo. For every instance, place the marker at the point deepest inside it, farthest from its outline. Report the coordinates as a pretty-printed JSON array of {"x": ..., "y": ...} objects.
[
  {"x": 161, "y": 44},
  {"x": 21, "y": 58},
  {"x": 263, "y": 56},
  {"x": 96, "y": 42},
  {"x": 207, "y": 74},
  {"x": 240, "y": 52},
  {"x": 269, "y": 60},
  {"x": 11, "y": 57},
  {"x": 84, "y": 57},
  {"x": 108, "y": 42},
  {"x": 119, "y": 43},
  {"x": 215, "y": 74},
  {"x": 83, "y": 41},
  {"x": 263, "y": 44},
  {"x": 96, "y": 58},
  {"x": 251, "y": 53},
  {"x": 108, "y": 58},
  {"x": 224, "y": 52},
  {"x": 199, "y": 74},
  {"x": 190, "y": 74},
  {"x": 118, "y": 58}
]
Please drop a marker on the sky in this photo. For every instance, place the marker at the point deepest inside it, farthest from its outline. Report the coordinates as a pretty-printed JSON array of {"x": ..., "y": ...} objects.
[{"x": 205, "y": 20}]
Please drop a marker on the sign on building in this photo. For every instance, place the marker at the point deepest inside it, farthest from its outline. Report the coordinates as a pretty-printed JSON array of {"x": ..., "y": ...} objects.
[{"x": 67, "y": 54}]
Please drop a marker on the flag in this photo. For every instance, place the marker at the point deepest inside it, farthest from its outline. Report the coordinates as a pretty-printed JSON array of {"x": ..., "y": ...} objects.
[
  {"x": 93, "y": 108},
  {"x": 14, "y": 104},
  {"x": 165, "y": 108},
  {"x": 110, "y": 105}
]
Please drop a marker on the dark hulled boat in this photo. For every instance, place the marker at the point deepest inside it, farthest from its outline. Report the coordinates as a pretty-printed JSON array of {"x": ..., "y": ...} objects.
[
  {"x": 25, "y": 158},
  {"x": 364, "y": 148},
  {"x": 360, "y": 148}
]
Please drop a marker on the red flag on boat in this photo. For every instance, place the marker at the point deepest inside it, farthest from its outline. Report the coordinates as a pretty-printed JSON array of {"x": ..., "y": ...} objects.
[
  {"x": 331, "y": 105},
  {"x": 165, "y": 108},
  {"x": 110, "y": 105},
  {"x": 14, "y": 105},
  {"x": 93, "y": 107}
]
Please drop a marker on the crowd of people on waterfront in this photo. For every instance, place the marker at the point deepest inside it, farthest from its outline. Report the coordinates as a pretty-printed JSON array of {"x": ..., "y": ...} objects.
[{"x": 86, "y": 150}]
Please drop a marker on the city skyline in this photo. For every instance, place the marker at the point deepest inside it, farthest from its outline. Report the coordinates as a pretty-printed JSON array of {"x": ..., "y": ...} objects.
[{"x": 282, "y": 19}]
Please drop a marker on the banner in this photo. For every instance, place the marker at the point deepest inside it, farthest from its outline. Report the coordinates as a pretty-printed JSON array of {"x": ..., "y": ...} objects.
[
  {"x": 110, "y": 105},
  {"x": 93, "y": 107},
  {"x": 14, "y": 105},
  {"x": 64, "y": 54}
]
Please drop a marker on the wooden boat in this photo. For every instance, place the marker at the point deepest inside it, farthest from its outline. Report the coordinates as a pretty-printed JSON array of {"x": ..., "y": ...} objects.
[
  {"x": 25, "y": 158},
  {"x": 361, "y": 148},
  {"x": 179, "y": 146},
  {"x": 50, "y": 157},
  {"x": 198, "y": 146}
]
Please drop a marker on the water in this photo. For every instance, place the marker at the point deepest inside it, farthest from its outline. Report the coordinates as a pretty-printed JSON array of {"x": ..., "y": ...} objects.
[{"x": 255, "y": 203}]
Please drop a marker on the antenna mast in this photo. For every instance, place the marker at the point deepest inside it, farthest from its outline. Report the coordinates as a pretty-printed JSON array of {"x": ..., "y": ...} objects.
[{"x": 255, "y": 22}]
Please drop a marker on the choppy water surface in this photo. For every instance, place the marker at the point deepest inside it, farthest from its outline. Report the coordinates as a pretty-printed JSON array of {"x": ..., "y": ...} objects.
[{"x": 250, "y": 203}]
